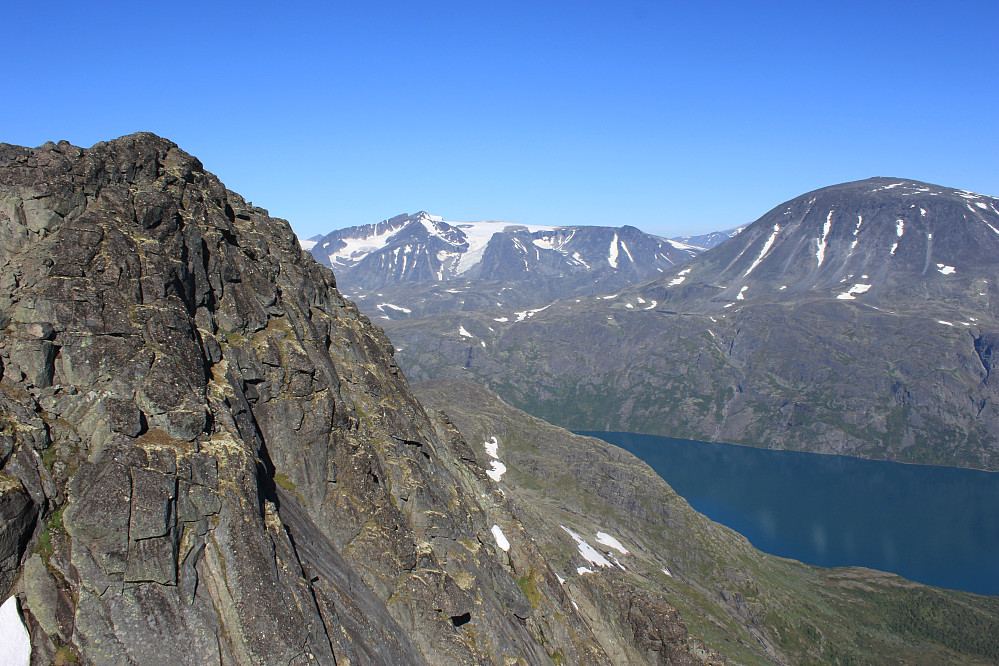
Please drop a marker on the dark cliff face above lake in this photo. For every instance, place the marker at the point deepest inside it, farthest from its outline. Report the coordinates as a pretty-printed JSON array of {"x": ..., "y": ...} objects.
[{"x": 207, "y": 455}]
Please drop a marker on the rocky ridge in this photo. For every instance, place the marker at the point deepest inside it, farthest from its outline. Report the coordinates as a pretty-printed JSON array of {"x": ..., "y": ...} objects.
[
  {"x": 411, "y": 265},
  {"x": 208, "y": 455}
]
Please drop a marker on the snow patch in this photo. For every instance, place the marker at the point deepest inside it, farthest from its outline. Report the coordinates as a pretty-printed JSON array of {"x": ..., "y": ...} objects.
[
  {"x": 766, "y": 248},
  {"x": 392, "y": 306},
  {"x": 501, "y": 540},
  {"x": 492, "y": 447},
  {"x": 652, "y": 305},
  {"x": 991, "y": 227},
  {"x": 945, "y": 323},
  {"x": 820, "y": 250},
  {"x": 666, "y": 571},
  {"x": 527, "y": 314},
  {"x": 497, "y": 471},
  {"x": 589, "y": 553},
  {"x": 683, "y": 246},
  {"x": 899, "y": 227},
  {"x": 612, "y": 256},
  {"x": 355, "y": 249},
  {"x": 498, "y": 468},
  {"x": 946, "y": 270},
  {"x": 608, "y": 540},
  {"x": 501, "y": 319},
  {"x": 307, "y": 244},
  {"x": 848, "y": 295},
  {"x": 675, "y": 281},
  {"x": 632, "y": 259},
  {"x": 739, "y": 296},
  {"x": 581, "y": 571},
  {"x": 463, "y": 333},
  {"x": 15, "y": 644}
]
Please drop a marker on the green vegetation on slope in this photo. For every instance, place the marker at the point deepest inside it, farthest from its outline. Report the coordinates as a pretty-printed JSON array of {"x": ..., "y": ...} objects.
[{"x": 749, "y": 606}]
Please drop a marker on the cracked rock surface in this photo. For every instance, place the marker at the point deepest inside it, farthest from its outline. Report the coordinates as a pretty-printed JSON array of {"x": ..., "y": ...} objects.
[{"x": 207, "y": 455}]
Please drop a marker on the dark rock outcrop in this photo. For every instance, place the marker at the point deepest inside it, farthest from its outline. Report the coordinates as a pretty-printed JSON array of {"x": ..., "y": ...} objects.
[{"x": 209, "y": 456}]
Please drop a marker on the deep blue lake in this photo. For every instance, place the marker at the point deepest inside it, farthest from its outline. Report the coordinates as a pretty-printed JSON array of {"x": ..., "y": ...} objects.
[{"x": 934, "y": 525}]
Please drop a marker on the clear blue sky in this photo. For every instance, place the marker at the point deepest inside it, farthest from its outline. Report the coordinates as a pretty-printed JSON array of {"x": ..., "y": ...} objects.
[{"x": 675, "y": 117}]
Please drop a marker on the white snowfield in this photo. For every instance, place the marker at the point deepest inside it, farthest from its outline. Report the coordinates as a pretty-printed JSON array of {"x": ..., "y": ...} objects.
[
  {"x": 15, "y": 644},
  {"x": 392, "y": 306},
  {"x": 608, "y": 540},
  {"x": 474, "y": 236},
  {"x": 501, "y": 539},
  {"x": 527, "y": 314},
  {"x": 613, "y": 253},
  {"x": 855, "y": 289},
  {"x": 589, "y": 553},
  {"x": 820, "y": 249},
  {"x": 766, "y": 248},
  {"x": 498, "y": 469}
]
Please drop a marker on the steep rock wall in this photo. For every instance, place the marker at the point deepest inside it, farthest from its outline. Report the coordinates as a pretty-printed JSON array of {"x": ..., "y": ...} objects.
[{"x": 209, "y": 456}]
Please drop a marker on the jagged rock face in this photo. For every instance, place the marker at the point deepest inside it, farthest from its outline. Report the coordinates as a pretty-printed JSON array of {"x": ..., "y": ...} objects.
[
  {"x": 859, "y": 319},
  {"x": 420, "y": 263},
  {"x": 209, "y": 456}
]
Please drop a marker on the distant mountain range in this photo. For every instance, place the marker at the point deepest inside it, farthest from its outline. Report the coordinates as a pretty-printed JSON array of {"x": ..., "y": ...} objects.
[
  {"x": 709, "y": 240},
  {"x": 860, "y": 319},
  {"x": 416, "y": 264}
]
